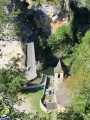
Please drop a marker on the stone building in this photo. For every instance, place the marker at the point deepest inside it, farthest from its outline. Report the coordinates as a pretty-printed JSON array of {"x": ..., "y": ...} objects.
[
  {"x": 58, "y": 73},
  {"x": 56, "y": 97},
  {"x": 61, "y": 94}
]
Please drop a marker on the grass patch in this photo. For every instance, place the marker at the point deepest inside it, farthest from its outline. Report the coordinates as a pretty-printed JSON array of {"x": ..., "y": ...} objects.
[
  {"x": 35, "y": 95},
  {"x": 37, "y": 80},
  {"x": 47, "y": 71}
]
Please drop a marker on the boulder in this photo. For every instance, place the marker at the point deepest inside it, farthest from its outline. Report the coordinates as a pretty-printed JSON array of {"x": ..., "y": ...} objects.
[{"x": 39, "y": 66}]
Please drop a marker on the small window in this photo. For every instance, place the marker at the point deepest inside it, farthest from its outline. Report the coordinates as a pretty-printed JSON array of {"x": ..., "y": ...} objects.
[{"x": 58, "y": 75}]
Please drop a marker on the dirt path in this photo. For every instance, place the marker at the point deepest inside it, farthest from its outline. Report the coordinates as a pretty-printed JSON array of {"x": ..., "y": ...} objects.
[{"x": 25, "y": 106}]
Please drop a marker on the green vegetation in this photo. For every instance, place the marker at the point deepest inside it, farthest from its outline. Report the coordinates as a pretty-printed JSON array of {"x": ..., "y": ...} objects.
[
  {"x": 3, "y": 15},
  {"x": 66, "y": 38},
  {"x": 79, "y": 82},
  {"x": 78, "y": 57},
  {"x": 72, "y": 41},
  {"x": 37, "y": 80},
  {"x": 7, "y": 18},
  {"x": 13, "y": 19},
  {"x": 47, "y": 71},
  {"x": 12, "y": 79},
  {"x": 49, "y": 1},
  {"x": 80, "y": 68},
  {"x": 3, "y": 109},
  {"x": 38, "y": 1},
  {"x": 35, "y": 96},
  {"x": 86, "y": 38},
  {"x": 87, "y": 4},
  {"x": 62, "y": 39},
  {"x": 41, "y": 43}
]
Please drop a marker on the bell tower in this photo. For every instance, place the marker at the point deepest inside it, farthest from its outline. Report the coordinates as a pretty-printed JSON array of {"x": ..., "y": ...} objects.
[{"x": 58, "y": 73}]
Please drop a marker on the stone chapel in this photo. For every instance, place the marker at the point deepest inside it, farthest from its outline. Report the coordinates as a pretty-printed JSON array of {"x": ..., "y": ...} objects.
[{"x": 58, "y": 73}]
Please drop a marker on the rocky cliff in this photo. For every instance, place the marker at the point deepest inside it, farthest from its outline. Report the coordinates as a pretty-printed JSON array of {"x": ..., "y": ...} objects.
[
  {"x": 48, "y": 17},
  {"x": 35, "y": 18},
  {"x": 9, "y": 50}
]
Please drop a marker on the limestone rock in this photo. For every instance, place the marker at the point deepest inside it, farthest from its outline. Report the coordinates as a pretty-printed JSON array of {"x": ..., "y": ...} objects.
[
  {"x": 41, "y": 63},
  {"x": 10, "y": 49},
  {"x": 39, "y": 66},
  {"x": 6, "y": 9},
  {"x": 8, "y": 33},
  {"x": 45, "y": 15}
]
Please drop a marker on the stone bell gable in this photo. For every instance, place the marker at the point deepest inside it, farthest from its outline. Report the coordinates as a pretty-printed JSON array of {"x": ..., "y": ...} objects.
[{"x": 58, "y": 72}]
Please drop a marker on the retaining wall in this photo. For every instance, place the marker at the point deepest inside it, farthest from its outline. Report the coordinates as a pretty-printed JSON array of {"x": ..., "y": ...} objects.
[{"x": 43, "y": 97}]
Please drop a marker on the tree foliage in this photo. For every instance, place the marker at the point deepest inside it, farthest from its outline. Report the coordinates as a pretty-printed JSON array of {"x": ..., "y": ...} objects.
[
  {"x": 88, "y": 4},
  {"x": 79, "y": 81},
  {"x": 62, "y": 40},
  {"x": 80, "y": 67},
  {"x": 86, "y": 38},
  {"x": 64, "y": 35},
  {"x": 12, "y": 78}
]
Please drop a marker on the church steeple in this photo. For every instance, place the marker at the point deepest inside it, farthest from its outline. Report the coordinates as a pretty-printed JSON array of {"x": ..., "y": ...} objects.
[{"x": 58, "y": 68}]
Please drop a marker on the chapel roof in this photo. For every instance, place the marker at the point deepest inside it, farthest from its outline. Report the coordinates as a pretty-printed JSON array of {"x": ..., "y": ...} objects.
[
  {"x": 63, "y": 96},
  {"x": 58, "y": 68}
]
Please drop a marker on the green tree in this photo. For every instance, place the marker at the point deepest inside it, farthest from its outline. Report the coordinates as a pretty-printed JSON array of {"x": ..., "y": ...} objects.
[
  {"x": 41, "y": 42},
  {"x": 86, "y": 38},
  {"x": 79, "y": 82},
  {"x": 62, "y": 40},
  {"x": 52, "y": 42},
  {"x": 88, "y": 4},
  {"x": 12, "y": 78},
  {"x": 64, "y": 34}
]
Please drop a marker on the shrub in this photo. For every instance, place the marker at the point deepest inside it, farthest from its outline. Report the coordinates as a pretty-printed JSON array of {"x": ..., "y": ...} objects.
[
  {"x": 62, "y": 40},
  {"x": 86, "y": 38}
]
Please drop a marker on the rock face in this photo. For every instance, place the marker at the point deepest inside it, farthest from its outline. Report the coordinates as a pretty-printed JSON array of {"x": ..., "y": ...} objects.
[
  {"x": 10, "y": 46},
  {"x": 48, "y": 17},
  {"x": 8, "y": 33},
  {"x": 10, "y": 49},
  {"x": 40, "y": 65},
  {"x": 53, "y": 17}
]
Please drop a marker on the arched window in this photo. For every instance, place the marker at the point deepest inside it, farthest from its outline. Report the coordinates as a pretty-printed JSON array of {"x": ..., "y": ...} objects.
[{"x": 58, "y": 75}]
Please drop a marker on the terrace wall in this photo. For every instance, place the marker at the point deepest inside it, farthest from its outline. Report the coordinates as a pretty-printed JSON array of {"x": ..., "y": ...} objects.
[{"x": 43, "y": 97}]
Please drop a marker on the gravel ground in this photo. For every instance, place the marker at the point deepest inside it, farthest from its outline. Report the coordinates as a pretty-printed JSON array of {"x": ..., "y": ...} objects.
[{"x": 25, "y": 105}]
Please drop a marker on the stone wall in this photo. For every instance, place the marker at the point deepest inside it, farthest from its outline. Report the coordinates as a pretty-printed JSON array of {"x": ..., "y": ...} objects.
[{"x": 43, "y": 97}]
